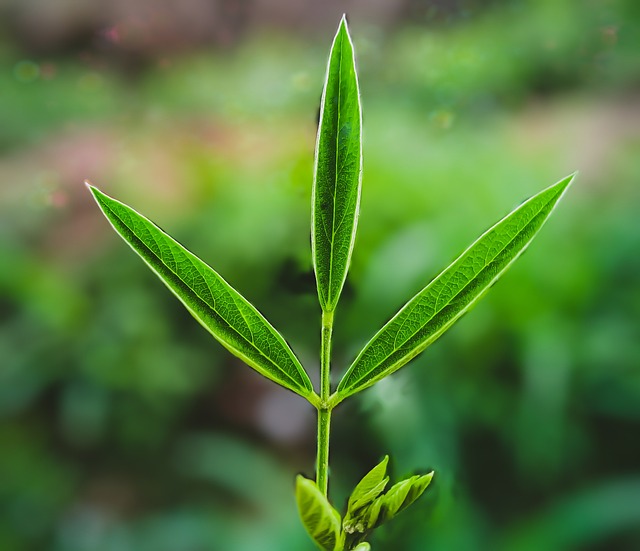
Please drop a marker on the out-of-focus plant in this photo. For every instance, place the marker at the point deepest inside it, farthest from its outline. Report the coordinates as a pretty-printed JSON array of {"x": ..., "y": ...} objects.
[{"x": 240, "y": 327}]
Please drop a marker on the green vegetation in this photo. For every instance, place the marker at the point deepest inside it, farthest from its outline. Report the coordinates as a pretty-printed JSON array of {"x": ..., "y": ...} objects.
[
  {"x": 240, "y": 328},
  {"x": 123, "y": 427}
]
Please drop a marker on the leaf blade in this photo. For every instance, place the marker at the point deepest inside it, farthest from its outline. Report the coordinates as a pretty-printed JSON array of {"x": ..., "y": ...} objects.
[
  {"x": 217, "y": 306},
  {"x": 401, "y": 495},
  {"x": 434, "y": 309},
  {"x": 369, "y": 488},
  {"x": 320, "y": 519},
  {"x": 337, "y": 172}
]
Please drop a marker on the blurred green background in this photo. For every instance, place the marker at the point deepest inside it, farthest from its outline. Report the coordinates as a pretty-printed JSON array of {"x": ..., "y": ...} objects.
[{"x": 125, "y": 427}]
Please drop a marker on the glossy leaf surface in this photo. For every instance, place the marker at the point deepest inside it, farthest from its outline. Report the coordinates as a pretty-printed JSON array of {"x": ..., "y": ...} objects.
[
  {"x": 230, "y": 318},
  {"x": 432, "y": 311},
  {"x": 337, "y": 172},
  {"x": 319, "y": 518}
]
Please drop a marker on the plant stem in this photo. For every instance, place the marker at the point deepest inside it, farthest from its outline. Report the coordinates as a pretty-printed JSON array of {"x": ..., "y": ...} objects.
[
  {"x": 324, "y": 411},
  {"x": 322, "y": 469},
  {"x": 325, "y": 356}
]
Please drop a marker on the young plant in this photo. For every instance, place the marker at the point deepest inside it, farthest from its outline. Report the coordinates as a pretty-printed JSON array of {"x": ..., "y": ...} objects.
[{"x": 240, "y": 327}]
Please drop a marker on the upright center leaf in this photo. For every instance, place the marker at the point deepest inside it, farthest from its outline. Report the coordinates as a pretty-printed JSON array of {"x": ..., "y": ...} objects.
[{"x": 337, "y": 173}]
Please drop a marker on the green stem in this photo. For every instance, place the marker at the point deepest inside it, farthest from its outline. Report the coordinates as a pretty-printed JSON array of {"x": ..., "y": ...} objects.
[
  {"x": 324, "y": 411},
  {"x": 322, "y": 476}
]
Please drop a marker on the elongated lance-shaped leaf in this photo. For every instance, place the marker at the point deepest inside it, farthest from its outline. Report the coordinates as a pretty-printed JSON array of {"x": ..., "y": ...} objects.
[
  {"x": 229, "y": 317},
  {"x": 319, "y": 518},
  {"x": 432, "y": 311},
  {"x": 337, "y": 172}
]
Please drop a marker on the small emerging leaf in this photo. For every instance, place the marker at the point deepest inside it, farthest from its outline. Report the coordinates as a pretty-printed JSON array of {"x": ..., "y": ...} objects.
[
  {"x": 367, "y": 490},
  {"x": 432, "y": 311},
  {"x": 364, "y": 546},
  {"x": 320, "y": 519},
  {"x": 229, "y": 317},
  {"x": 337, "y": 173},
  {"x": 398, "y": 498}
]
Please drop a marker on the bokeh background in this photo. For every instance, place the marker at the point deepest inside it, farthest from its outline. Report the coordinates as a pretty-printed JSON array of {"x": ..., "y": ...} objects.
[{"x": 125, "y": 427}]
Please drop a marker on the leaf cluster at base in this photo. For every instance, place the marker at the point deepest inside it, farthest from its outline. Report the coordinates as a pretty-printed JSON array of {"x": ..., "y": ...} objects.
[{"x": 369, "y": 507}]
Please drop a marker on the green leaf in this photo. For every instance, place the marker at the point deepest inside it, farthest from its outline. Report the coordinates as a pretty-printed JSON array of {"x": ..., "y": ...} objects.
[
  {"x": 319, "y": 518},
  {"x": 432, "y": 311},
  {"x": 364, "y": 546},
  {"x": 385, "y": 507},
  {"x": 338, "y": 171},
  {"x": 230, "y": 318},
  {"x": 366, "y": 491},
  {"x": 398, "y": 498}
]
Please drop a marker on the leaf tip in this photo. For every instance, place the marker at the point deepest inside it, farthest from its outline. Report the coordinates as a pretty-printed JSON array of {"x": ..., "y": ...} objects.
[
  {"x": 558, "y": 189},
  {"x": 302, "y": 480},
  {"x": 343, "y": 27},
  {"x": 563, "y": 185},
  {"x": 302, "y": 484},
  {"x": 97, "y": 194},
  {"x": 568, "y": 180},
  {"x": 93, "y": 189}
]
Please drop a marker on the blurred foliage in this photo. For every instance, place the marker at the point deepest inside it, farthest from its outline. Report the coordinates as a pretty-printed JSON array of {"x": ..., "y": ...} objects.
[{"x": 123, "y": 426}]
